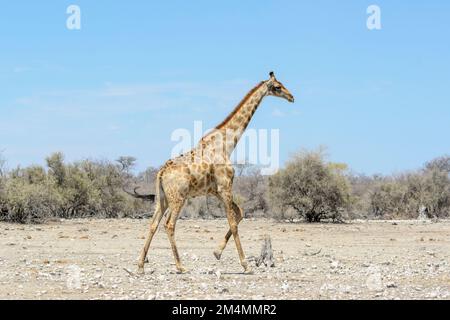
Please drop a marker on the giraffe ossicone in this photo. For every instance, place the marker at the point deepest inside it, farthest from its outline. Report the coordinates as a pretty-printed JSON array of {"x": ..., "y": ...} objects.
[{"x": 207, "y": 170}]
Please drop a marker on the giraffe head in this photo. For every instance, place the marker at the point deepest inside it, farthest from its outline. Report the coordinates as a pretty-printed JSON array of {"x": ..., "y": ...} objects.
[{"x": 277, "y": 89}]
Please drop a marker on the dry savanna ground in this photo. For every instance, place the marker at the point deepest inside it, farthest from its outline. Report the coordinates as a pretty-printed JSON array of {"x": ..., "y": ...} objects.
[{"x": 89, "y": 259}]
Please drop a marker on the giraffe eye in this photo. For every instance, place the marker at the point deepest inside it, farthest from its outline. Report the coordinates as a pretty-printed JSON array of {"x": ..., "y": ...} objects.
[{"x": 277, "y": 89}]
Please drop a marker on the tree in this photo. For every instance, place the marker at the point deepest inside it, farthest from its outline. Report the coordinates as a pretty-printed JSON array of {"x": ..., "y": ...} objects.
[
  {"x": 148, "y": 177},
  {"x": 314, "y": 188},
  {"x": 55, "y": 163},
  {"x": 2, "y": 166},
  {"x": 3, "y": 208},
  {"x": 127, "y": 163},
  {"x": 250, "y": 187},
  {"x": 388, "y": 197},
  {"x": 435, "y": 195},
  {"x": 440, "y": 163},
  {"x": 403, "y": 195}
]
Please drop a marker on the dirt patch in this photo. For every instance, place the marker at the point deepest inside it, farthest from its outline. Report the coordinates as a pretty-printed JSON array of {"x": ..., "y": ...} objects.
[{"x": 96, "y": 259}]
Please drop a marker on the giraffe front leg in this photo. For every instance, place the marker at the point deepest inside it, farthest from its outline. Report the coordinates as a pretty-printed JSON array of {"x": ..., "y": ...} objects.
[
  {"x": 218, "y": 252},
  {"x": 233, "y": 222},
  {"x": 239, "y": 216}
]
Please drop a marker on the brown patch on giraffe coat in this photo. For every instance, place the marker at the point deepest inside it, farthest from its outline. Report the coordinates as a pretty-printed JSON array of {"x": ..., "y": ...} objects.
[
  {"x": 185, "y": 170},
  {"x": 229, "y": 171},
  {"x": 201, "y": 184}
]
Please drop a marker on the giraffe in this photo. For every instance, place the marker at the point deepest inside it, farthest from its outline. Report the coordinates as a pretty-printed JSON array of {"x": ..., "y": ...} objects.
[{"x": 207, "y": 170}]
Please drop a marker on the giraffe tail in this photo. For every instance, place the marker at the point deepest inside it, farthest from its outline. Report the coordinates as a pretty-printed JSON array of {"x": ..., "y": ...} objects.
[
  {"x": 160, "y": 195},
  {"x": 135, "y": 194}
]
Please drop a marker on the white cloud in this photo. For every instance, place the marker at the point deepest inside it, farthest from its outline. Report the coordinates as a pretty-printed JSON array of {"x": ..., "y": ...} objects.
[
  {"x": 126, "y": 98},
  {"x": 278, "y": 113}
]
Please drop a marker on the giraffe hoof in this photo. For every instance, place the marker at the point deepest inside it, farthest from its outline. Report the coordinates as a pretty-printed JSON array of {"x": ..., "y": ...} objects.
[
  {"x": 181, "y": 270},
  {"x": 140, "y": 271},
  {"x": 248, "y": 270},
  {"x": 217, "y": 254}
]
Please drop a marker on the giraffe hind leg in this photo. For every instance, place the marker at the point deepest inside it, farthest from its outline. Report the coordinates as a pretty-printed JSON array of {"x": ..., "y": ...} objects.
[
  {"x": 175, "y": 209},
  {"x": 153, "y": 227}
]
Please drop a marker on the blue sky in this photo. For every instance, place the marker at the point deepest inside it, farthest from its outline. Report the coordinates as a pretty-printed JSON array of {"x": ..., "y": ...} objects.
[{"x": 137, "y": 70}]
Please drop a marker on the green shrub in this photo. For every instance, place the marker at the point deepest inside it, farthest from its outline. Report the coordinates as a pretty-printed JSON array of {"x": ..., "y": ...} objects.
[
  {"x": 29, "y": 202},
  {"x": 388, "y": 198},
  {"x": 80, "y": 189},
  {"x": 402, "y": 196},
  {"x": 435, "y": 192},
  {"x": 314, "y": 188},
  {"x": 308, "y": 187}
]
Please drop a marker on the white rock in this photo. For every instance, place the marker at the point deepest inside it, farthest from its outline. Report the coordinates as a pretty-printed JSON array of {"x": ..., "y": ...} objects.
[
  {"x": 285, "y": 286},
  {"x": 374, "y": 282}
]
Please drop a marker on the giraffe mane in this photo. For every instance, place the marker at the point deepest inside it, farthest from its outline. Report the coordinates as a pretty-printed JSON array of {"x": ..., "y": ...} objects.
[{"x": 239, "y": 106}]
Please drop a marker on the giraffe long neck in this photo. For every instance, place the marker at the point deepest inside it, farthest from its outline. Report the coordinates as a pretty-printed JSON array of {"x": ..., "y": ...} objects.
[{"x": 235, "y": 124}]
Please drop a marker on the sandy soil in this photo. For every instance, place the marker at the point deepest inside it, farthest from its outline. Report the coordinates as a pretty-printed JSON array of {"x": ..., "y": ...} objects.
[{"x": 87, "y": 259}]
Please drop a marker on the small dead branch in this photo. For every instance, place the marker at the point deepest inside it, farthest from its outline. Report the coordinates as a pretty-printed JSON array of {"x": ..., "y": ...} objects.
[
  {"x": 313, "y": 253},
  {"x": 266, "y": 255},
  {"x": 130, "y": 272},
  {"x": 136, "y": 275}
]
